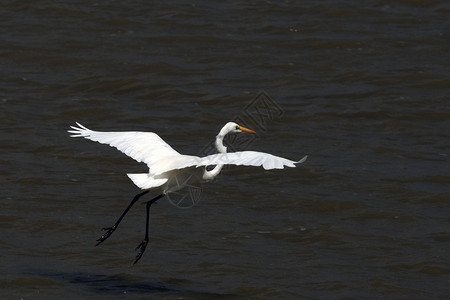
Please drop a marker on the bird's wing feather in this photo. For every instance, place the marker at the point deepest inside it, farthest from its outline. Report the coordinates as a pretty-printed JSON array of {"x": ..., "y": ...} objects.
[
  {"x": 250, "y": 158},
  {"x": 175, "y": 162},
  {"x": 145, "y": 147},
  {"x": 245, "y": 158}
]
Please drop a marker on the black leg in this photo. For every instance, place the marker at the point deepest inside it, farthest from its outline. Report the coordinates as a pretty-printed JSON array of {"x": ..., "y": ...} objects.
[
  {"x": 144, "y": 243},
  {"x": 110, "y": 230}
]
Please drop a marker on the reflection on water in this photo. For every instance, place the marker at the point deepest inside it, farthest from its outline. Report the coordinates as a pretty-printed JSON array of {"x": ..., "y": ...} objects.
[{"x": 114, "y": 285}]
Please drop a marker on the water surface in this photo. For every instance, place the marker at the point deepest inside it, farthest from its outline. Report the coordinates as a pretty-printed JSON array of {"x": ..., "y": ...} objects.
[{"x": 362, "y": 88}]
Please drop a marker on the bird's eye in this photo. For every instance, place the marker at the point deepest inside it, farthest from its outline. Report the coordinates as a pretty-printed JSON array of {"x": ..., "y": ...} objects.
[{"x": 237, "y": 128}]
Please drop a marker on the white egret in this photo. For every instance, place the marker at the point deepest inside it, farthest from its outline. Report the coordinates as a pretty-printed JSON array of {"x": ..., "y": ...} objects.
[{"x": 165, "y": 164}]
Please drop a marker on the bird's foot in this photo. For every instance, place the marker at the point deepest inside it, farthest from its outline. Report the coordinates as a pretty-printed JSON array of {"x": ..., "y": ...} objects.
[
  {"x": 109, "y": 231},
  {"x": 141, "y": 248}
]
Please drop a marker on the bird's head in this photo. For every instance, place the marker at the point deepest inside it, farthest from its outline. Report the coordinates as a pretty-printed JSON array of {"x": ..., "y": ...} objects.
[
  {"x": 233, "y": 127},
  {"x": 229, "y": 127}
]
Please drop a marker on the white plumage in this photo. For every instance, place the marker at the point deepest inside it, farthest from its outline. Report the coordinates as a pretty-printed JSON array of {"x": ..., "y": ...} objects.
[
  {"x": 170, "y": 170},
  {"x": 163, "y": 160}
]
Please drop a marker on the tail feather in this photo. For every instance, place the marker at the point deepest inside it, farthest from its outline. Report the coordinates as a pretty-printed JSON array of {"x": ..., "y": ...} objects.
[{"x": 145, "y": 182}]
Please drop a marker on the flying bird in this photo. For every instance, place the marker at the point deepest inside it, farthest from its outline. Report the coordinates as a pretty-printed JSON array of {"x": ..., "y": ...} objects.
[{"x": 169, "y": 170}]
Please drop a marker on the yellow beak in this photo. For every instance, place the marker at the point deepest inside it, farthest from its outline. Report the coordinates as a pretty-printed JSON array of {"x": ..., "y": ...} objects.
[{"x": 246, "y": 130}]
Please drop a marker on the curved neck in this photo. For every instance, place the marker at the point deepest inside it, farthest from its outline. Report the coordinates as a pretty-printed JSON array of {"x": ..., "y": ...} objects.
[{"x": 209, "y": 175}]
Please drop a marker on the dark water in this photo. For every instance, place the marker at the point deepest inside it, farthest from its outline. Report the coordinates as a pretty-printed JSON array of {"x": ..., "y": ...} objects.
[{"x": 361, "y": 87}]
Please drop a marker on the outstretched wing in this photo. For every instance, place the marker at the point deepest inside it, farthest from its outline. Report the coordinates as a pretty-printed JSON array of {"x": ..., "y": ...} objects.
[
  {"x": 244, "y": 158},
  {"x": 145, "y": 147},
  {"x": 250, "y": 158}
]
